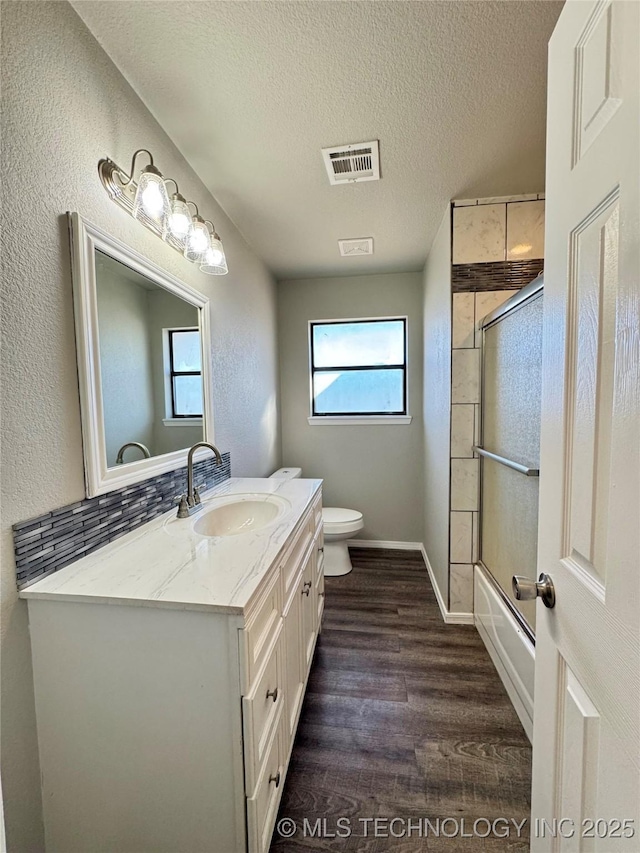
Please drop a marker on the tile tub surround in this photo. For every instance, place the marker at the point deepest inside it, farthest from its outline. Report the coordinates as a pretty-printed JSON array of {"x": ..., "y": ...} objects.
[
  {"x": 167, "y": 564},
  {"x": 502, "y": 230},
  {"x": 467, "y": 310},
  {"x": 479, "y": 233},
  {"x": 45, "y": 544},
  {"x": 497, "y": 242},
  {"x": 525, "y": 230},
  {"x": 497, "y": 248},
  {"x": 461, "y": 588},
  {"x": 511, "y": 275}
]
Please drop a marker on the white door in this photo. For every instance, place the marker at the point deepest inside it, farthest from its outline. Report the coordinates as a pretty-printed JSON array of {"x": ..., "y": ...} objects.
[{"x": 586, "y": 744}]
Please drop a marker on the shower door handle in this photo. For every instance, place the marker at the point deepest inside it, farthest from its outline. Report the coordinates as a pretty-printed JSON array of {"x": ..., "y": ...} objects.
[{"x": 526, "y": 589}]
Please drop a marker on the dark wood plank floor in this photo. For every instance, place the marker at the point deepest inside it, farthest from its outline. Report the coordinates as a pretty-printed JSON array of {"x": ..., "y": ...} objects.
[{"x": 405, "y": 717}]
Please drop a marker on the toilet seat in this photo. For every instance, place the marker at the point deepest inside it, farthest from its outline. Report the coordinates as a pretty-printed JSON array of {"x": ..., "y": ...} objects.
[{"x": 337, "y": 520}]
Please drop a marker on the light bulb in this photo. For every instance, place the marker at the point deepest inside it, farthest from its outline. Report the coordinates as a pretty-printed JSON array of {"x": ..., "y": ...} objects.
[
  {"x": 152, "y": 200},
  {"x": 179, "y": 224},
  {"x": 151, "y": 197},
  {"x": 213, "y": 257},
  {"x": 214, "y": 261},
  {"x": 179, "y": 220},
  {"x": 198, "y": 240}
]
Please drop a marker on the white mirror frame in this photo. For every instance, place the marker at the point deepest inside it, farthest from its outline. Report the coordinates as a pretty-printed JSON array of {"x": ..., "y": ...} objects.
[{"x": 86, "y": 239}]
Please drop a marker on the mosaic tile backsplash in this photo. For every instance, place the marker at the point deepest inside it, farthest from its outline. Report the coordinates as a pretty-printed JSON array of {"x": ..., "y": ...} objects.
[
  {"x": 53, "y": 540},
  {"x": 500, "y": 275}
]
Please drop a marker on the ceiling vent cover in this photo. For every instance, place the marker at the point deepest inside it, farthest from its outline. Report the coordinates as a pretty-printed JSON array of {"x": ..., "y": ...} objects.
[
  {"x": 356, "y": 248},
  {"x": 348, "y": 164}
]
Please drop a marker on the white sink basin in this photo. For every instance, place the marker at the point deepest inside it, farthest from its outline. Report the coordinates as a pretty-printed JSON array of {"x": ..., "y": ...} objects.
[{"x": 237, "y": 514}]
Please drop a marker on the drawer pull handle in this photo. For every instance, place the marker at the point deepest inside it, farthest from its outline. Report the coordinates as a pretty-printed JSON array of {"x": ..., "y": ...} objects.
[
  {"x": 275, "y": 779},
  {"x": 273, "y": 694},
  {"x": 306, "y": 589},
  {"x": 321, "y": 550},
  {"x": 321, "y": 594}
]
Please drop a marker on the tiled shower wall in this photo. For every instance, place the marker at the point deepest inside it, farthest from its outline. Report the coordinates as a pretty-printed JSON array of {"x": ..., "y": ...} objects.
[
  {"x": 468, "y": 308},
  {"x": 485, "y": 231}
]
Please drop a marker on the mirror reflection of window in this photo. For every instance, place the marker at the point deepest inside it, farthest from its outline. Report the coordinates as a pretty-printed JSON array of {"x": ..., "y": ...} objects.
[
  {"x": 134, "y": 316},
  {"x": 185, "y": 366}
]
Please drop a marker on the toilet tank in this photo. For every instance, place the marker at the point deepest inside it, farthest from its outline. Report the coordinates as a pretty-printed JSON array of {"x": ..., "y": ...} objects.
[{"x": 287, "y": 473}]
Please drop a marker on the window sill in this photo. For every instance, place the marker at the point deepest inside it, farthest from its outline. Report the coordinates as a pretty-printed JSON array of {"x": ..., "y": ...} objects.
[
  {"x": 178, "y": 422},
  {"x": 370, "y": 420}
]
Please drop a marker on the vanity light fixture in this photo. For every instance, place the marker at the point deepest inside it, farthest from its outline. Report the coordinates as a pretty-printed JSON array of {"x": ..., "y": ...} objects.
[
  {"x": 214, "y": 261},
  {"x": 170, "y": 218},
  {"x": 198, "y": 240},
  {"x": 179, "y": 219}
]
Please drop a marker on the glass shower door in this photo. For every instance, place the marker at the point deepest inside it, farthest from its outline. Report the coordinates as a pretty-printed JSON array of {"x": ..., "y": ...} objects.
[{"x": 511, "y": 389}]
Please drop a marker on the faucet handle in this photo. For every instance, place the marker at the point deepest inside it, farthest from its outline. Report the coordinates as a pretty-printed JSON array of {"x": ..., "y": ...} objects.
[
  {"x": 196, "y": 492},
  {"x": 183, "y": 506}
]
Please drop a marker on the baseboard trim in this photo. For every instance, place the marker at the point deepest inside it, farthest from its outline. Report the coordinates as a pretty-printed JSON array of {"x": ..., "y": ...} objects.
[
  {"x": 383, "y": 543},
  {"x": 447, "y": 616}
]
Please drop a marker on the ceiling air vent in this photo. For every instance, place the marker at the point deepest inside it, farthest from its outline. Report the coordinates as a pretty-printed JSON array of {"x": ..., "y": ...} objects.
[
  {"x": 348, "y": 164},
  {"x": 356, "y": 248}
]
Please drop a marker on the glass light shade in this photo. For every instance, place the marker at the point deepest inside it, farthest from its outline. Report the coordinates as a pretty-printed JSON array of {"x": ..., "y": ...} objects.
[
  {"x": 198, "y": 240},
  {"x": 214, "y": 261},
  {"x": 179, "y": 220},
  {"x": 151, "y": 197}
]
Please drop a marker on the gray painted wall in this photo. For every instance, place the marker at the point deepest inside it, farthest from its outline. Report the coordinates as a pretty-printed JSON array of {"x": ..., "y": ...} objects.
[
  {"x": 126, "y": 368},
  {"x": 64, "y": 107},
  {"x": 437, "y": 403},
  {"x": 374, "y": 469}
]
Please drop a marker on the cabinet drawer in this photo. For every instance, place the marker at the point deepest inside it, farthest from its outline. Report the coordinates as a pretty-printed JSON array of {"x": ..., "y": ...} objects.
[
  {"x": 262, "y": 808},
  {"x": 260, "y": 709},
  {"x": 257, "y": 636}
]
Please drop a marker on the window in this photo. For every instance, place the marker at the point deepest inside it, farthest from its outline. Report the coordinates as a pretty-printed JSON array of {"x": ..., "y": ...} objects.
[
  {"x": 359, "y": 368},
  {"x": 185, "y": 373}
]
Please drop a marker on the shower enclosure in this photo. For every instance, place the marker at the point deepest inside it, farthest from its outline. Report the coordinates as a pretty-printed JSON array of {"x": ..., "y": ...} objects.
[{"x": 509, "y": 450}]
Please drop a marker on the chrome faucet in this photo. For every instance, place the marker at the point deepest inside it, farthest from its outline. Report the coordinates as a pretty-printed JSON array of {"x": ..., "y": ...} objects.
[
  {"x": 145, "y": 450},
  {"x": 190, "y": 503}
]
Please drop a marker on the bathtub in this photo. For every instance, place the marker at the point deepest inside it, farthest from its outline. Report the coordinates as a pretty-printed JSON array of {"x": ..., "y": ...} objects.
[{"x": 511, "y": 650}]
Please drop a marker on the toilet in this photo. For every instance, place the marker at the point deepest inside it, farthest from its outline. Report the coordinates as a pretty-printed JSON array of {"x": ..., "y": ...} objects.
[{"x": 338, "y": 525}]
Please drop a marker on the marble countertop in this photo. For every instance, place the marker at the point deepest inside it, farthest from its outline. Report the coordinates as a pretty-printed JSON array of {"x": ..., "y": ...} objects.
[{"x": 166, "y": 563}]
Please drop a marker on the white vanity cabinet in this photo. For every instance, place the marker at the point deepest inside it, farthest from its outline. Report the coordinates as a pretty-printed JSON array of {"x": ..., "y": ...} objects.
[{"x": 169, "y": 729}]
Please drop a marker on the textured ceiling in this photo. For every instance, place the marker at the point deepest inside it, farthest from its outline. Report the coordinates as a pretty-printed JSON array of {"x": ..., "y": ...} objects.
[{"x": 251, "y": 91}]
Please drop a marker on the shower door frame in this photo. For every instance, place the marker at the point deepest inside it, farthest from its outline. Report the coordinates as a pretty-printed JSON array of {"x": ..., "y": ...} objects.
[{"x": 518, "y": 300}]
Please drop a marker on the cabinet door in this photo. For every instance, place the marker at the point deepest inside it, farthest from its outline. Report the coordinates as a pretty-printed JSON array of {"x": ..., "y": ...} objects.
[
  {"x": 262, "y": 807},
  {"x": 293, "y": 655},
  {"x": 309, "y": 611},
  {"x": 319, "y": 600}
]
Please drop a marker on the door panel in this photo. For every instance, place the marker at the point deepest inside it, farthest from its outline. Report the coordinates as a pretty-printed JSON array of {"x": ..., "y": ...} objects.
[
  {"x": 591, "y": 335},
  {"x": 586, "y": 744}
]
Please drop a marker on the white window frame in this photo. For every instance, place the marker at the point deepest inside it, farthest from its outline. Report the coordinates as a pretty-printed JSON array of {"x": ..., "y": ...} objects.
[
  {"x": 361, "y": 419},
  {"x": 169, "y": 420}
]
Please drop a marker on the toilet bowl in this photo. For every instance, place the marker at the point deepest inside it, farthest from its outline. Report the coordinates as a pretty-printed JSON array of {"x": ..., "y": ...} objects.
[{"x": 338, "y": 525}]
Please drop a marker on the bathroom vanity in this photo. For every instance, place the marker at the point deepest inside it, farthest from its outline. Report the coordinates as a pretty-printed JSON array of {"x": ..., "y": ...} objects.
[{"x": 169, "y": 670}]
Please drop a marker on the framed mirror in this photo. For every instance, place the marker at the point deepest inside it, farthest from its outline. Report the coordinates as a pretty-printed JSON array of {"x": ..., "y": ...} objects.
[{"x": 141, "y": 337}]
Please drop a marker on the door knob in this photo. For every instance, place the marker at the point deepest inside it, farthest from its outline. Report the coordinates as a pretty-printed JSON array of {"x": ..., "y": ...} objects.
[{"x": 526, "y": 589}]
